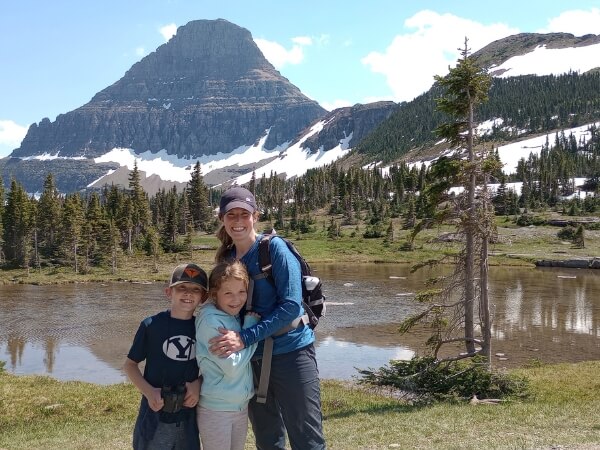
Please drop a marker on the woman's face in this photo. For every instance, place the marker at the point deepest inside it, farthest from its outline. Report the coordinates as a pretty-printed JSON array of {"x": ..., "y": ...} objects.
[{"x": 239, "y": 224}]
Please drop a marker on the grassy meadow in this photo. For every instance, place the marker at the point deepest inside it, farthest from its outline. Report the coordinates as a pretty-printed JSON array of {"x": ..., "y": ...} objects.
[{"x": 38, "y": 413}]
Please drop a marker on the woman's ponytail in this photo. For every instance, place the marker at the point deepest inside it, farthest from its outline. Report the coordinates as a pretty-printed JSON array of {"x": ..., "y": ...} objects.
[{"x": 226, "y": 245}]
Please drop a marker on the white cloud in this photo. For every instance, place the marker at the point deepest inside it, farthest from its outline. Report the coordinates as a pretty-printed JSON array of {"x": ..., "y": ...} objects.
[
  {"x": 577, "y": 22},
  {"x": 11, "y": 135},
  {"x": 302, "y": 40},
  {"x": 168, "y": 31},
  {"x": 140, "y": 51},
  {"x": 323, "y": 39},
  {"x": 411, "y": 60},
  {"x": 279, "y": 56}
]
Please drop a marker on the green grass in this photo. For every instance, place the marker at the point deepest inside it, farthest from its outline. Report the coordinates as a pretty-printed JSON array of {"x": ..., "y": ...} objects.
[{"x": 42, "y": 413}]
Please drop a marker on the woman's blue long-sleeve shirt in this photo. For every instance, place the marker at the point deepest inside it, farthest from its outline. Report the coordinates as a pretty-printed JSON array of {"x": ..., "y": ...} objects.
[{"x": 278, "y": 304}]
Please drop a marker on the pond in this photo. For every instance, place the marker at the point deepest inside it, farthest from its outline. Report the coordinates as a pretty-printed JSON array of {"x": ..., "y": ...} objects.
[{"x": 83, "y": 331}]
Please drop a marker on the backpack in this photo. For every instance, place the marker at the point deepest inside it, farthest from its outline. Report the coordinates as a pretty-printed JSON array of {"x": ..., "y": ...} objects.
[
  {"x": 313, "y": 302},
  {"x": 313, "y": 299}
]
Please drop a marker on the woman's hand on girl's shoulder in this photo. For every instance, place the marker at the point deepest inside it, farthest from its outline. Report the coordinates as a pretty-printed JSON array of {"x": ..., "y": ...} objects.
[{"x": 226, "y": 343}]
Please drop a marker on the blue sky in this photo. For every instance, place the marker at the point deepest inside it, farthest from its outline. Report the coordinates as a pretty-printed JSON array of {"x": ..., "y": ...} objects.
[{"x": 54, "y": 56}]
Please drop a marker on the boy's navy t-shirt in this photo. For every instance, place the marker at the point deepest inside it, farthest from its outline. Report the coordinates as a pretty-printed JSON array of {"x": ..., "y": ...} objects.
[{"x": 168, "y": 346}]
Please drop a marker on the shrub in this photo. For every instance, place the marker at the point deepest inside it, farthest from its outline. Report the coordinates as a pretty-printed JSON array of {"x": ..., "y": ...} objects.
[
  {"x": 567, "y": 233},
  {"x": 524, "y": 220},
  {"x": 427, "y": 380}
]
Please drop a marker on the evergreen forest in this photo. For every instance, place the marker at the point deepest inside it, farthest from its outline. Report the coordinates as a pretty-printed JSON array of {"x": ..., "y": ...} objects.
[
  {"x": 521, "y": 106},
  {"x": 87, "y": 229}
]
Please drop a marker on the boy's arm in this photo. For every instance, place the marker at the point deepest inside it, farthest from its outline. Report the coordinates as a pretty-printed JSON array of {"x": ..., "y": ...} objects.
[{"x": 152, "y": 394}]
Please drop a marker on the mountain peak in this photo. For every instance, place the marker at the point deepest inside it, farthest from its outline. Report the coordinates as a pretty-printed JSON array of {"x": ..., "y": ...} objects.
[
  {"x": 198, "y": 62},
  {"x": 209, "y": 89}
]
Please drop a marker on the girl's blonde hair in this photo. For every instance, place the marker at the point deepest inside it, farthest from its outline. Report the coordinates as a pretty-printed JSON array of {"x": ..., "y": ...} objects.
[
  {"x": 223, "y": 252},
  {"x": 224, "y": 271}
]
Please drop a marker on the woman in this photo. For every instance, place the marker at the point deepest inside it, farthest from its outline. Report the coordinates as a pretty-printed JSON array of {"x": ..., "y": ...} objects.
[{"x": 293, "y": 401}]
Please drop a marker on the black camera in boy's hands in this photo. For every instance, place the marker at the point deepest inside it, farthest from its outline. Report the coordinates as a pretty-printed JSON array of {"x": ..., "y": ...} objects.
[{"x": 173, "y": 397}]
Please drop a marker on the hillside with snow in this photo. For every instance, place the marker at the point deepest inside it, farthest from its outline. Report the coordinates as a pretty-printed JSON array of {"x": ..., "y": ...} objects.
[{"x": 292, "y": 159}]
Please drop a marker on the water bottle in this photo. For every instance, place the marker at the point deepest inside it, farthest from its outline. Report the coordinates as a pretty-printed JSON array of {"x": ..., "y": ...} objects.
[{"x": 311, "y": 282}]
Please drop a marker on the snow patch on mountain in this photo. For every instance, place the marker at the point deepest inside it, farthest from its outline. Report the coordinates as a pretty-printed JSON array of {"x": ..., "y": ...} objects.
[
  {"x": 291, "y": 161},
  {"x": 510, "y": 154},
  {"x": 545, "y": 61}
]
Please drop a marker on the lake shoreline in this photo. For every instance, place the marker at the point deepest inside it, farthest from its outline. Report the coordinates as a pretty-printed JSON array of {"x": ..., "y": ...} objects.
[{"x": 528, "y": 247}]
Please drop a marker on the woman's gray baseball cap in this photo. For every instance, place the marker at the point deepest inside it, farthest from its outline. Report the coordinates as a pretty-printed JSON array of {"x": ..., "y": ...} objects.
[{"x": 237, "y": 197}]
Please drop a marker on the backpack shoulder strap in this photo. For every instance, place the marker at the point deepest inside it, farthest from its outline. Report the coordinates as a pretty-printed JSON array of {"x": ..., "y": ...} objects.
[
  {"x": 264, "y": 263},
  {"x": 266, "y": 271},
  {"x": 264, "y": 257}
]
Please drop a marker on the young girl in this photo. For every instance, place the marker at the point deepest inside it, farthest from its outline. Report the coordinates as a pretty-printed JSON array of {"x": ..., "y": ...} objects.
[{"x": 227, "y": 382}]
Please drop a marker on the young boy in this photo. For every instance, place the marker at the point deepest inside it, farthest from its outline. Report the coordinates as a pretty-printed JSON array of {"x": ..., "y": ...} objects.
[{"x": 170, "y": 385}]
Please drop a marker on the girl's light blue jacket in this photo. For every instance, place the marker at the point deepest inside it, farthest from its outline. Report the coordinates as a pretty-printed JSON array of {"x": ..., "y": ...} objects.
[{"x": 227, "y": 382}]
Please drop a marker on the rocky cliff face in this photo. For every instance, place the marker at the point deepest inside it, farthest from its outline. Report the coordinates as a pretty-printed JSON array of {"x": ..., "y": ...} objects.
[
  {"x": 358, "y": 120},
  {"x": 208, "y": 90}
]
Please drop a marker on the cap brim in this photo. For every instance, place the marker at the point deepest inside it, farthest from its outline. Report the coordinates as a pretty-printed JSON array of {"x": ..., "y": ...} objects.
[
  {"x": 237, "y": 204},
  {"x": 177, "y": 283}
]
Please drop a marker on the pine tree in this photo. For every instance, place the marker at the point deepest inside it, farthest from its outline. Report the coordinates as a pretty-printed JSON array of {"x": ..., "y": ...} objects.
[
  {"x": 467, "y": 86},
  {"x": 333, "y": 230},
  {"x": 185, "y": 215},
  {"x": 118, "y": 213},
  {"x": 410, "y": 216},
  {"x": 252, "y": 184},
  {"x": 140, "y": 209},
  {"x": 94, "y": 231},
  {"x": 72, "y": 229},
  {"x": 170, "y": 229},
  {"x": 17, "y": 226},
  {"x": 198, "y": 196},
  {"x": 48, "y": 217},
  {"x": 35, "y": 232},
  {"x": 113, "y": 244},
  {"x": 389, "y": 234},
  {"x": 578, "y": 238},
  {"x": 153, "y": 247},
  {"x": 126, "y": 223},
  {"x": 501, "y": 199},
  {"x": 463, "y": 89}
]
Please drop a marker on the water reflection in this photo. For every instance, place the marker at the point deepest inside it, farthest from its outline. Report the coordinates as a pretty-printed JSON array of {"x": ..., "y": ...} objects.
[{"x": 83, "y": 331}]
